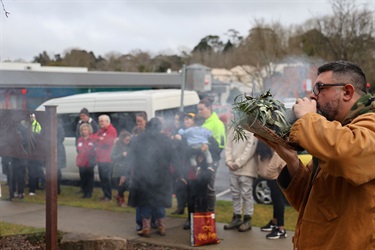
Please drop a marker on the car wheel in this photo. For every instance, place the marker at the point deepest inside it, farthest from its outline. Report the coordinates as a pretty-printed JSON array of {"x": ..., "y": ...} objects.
[{"x": 261, "y": 192}]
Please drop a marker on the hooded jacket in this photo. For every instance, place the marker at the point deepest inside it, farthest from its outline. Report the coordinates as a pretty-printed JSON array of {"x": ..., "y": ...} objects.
[
  {"x": 336, "y": 211},
  {"x": 241, "y": 153}
]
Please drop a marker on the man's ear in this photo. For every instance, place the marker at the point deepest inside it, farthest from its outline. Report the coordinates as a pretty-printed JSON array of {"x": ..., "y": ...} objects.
[{"x": 348, "y": 92}]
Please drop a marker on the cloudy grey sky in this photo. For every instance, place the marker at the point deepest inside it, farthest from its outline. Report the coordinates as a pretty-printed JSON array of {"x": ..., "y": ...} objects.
[{"x": 156, "y": 26}]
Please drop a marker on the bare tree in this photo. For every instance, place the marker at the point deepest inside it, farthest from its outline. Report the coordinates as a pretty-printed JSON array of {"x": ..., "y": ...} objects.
[
  {"x": 349, "y": 31},
  {"x": 261, "y": 50},
  {"x": 348, "y": 34},
  {"x": 5, "y": 11}
]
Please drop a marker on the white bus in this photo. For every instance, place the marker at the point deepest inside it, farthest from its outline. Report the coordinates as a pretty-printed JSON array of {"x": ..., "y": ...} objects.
[{"x": 121, "y": 107}]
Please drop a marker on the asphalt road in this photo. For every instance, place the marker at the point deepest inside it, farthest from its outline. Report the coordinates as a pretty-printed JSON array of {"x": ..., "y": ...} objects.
[{"x": 222, "y": 182}]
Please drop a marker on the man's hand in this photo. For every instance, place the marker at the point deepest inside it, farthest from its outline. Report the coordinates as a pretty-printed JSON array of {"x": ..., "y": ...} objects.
[
  {"x": 304, "y": 106},
  {"x": 232, "y": 166}
]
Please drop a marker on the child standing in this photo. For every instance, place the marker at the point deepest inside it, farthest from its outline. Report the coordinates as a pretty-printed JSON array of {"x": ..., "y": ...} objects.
[
  {"x": 85, "y": 159},
  {"x": 120, "y": 156}
]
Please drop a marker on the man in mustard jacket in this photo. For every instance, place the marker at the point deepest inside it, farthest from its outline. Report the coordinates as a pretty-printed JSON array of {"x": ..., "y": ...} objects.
[{"x": 335, "y": 193}]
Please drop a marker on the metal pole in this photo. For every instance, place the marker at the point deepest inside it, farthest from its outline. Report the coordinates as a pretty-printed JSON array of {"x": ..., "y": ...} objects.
[
  {"x": 183, "y": 87},
  {"x": 10, "y": 179},
  {"x": 51, "y": 178}
]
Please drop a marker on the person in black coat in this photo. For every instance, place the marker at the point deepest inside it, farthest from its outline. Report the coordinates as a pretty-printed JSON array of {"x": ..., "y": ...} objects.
[{"x": 151, "y": 186}]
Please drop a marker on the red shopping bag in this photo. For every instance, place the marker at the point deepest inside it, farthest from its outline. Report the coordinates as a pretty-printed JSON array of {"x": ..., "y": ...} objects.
[{"x": 203, "y": 229}]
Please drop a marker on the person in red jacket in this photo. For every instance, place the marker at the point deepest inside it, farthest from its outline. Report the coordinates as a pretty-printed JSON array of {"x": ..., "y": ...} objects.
[
  {"x": 105, "y": 138},
  {"x": 85, "y": 159}
]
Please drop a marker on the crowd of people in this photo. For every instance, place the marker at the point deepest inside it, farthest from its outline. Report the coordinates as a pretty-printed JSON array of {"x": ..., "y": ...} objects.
[
  {"x": 333, "y": 193},
  {"x": 153, "y": 161},
  {"x": 16, "y": 168}
]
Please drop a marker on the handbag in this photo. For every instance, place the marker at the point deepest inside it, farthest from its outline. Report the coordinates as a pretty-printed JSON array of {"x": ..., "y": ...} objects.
[{"x": 203, "y": 229}]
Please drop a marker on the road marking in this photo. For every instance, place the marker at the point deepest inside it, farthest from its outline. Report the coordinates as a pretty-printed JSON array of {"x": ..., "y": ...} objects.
[{"x": 223, "y": 193}]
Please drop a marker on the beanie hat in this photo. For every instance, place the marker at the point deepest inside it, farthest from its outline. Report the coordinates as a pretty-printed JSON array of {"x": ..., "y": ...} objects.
[{"x": 85, "y": 111}]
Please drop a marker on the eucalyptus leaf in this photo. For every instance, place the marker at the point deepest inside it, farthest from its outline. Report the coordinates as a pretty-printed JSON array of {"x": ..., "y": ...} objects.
[{"x": 266, "y": 110}]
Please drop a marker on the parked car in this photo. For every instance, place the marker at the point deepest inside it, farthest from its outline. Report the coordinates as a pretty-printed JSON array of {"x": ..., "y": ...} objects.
[{"x": 262, "y": 192}]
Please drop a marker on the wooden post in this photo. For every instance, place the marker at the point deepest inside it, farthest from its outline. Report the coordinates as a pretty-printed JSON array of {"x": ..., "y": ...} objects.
[{"x": 51, "y": 178}]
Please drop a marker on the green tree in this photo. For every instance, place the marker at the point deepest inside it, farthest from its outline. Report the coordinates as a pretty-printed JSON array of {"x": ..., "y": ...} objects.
[
  {"x": 80, "y": 58},
  {"x": 43, "y": 58}
]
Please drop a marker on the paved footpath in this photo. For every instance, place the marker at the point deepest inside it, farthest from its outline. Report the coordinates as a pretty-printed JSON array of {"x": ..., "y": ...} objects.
[{"x": 120, "y": 224}]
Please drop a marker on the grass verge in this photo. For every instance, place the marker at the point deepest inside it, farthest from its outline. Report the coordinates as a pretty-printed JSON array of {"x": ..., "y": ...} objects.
[{"x": 70, "y": 196}]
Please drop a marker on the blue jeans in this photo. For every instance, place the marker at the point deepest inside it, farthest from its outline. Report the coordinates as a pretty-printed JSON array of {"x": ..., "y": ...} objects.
[
  {"x": 138, "y": 217},
  {"x": 148, "y": 212}
]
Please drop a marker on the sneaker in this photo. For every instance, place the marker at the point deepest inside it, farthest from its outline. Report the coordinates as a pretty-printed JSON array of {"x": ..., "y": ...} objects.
[
  {"x": 269, "y": 227},
  {"x": 32, "y": 194},
  {"x": 276, "y": 234}
]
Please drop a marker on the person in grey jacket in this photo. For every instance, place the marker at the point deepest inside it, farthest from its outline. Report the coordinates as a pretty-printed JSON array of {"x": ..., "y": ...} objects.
[{"x": 240, "y": 159}]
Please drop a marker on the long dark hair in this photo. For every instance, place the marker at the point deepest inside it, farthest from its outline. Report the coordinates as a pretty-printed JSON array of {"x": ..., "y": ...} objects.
[
  {"x": 154, "y": 126},
  {"x": 263, "y": 151}
]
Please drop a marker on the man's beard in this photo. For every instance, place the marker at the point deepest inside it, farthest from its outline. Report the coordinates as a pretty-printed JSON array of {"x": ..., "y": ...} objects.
[{"x": 329, "y": 110}]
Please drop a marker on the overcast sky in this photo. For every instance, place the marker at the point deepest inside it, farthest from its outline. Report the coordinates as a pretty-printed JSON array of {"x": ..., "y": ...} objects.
[{"x": 105, "y": 26}]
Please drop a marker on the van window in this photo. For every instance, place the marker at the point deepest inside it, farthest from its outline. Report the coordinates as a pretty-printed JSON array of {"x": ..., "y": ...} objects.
[
  {"x": 120, "y": 120},
  {"x": 69, "y": 123}
]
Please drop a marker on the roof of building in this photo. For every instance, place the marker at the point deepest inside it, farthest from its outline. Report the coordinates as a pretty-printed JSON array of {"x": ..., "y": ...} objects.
[{"x": 92, "y": 79}]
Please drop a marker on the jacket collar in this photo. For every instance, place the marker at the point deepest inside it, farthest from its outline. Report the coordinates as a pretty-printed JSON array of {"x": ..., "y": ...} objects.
[{"x": 365, "y": 104}]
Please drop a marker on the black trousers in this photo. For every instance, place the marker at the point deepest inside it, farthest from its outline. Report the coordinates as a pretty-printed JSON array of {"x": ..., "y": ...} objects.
[
  {"x": 19, "y": 171},
  {"x": 181, "y": 191},
  {"x": 105, "y": 176},
  {"x": 87, "y": 179},
  {"x": 197, "y": 193},
  {"x": 34, "y": 168},
  {"x": 277, "y": 201}
]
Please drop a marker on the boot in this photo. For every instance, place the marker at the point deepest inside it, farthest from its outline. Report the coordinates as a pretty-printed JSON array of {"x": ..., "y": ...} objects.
[
  {"x": 117, "y": 197},
  {"x": 161, "y": 227},
  {"x": 246, "y": 225},
  {"x": 235, "y": 223},
  {"x": 146, "y": 228},
  {"x": 122, "y": 202}
]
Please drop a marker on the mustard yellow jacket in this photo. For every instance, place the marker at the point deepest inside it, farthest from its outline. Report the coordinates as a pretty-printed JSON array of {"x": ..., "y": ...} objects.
[{"x": 338, "y": 212}]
